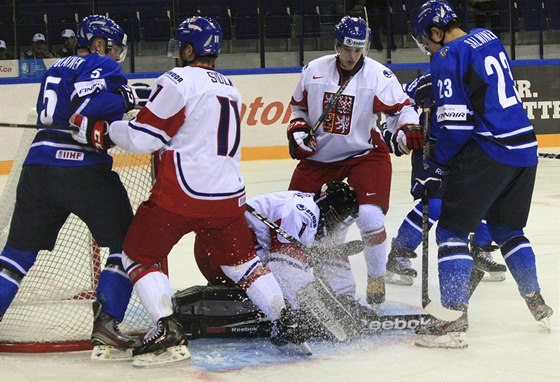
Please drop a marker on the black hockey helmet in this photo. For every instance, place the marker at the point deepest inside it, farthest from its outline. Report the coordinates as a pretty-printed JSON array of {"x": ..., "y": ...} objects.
[{"x": 338, "y": 204}]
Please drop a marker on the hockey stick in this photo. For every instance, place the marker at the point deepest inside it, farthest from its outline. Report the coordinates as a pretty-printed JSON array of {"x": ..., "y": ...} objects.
[
  {"x": 336, "y": 96},
  {"x": 435, "y": 310},
  {"x": 549, "y": 155},
  {"x": 29, "y": 126},
  {"x": 276, "y": 228}
]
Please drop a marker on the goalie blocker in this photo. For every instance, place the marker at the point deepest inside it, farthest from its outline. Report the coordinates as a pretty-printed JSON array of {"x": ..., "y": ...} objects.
[{"x": 224, "y": 312}]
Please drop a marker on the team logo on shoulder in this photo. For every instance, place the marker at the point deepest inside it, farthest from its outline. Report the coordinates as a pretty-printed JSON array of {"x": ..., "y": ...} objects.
[
  {"x": 387, "y": 73},
  {"x": 443, "y": 52},
  {"x": 300, "y": 207}
]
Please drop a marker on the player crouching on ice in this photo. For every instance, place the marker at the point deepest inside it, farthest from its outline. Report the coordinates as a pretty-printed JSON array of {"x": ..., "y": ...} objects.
[{"x": 317, "y": 282}]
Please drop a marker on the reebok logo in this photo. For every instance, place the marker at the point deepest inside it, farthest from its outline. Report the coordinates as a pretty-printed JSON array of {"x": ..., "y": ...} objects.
[
  {"x": 317, "y": 77},
  {"x": 397, "y": 323}
]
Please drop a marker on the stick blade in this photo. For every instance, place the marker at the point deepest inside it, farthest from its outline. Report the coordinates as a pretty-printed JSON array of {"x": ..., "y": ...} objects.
[{"x": 441, "y": 313}]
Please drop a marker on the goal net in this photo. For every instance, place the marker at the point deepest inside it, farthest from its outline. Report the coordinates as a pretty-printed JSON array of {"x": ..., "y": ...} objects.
[{"x": 52, "y": 310}]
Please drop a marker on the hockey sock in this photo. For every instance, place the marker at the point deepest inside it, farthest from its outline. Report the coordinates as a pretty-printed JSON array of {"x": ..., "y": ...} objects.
[
  {"x": 482, "y": 236},
  {"x": 14, "y": 265},
  {"x": 520, "y": 259},
  {"x": 371, "y": 222},
  {"x": 114, "y": 288},
  {"x": 410, "y": 232},
  {"x": 454, "y": 267}
]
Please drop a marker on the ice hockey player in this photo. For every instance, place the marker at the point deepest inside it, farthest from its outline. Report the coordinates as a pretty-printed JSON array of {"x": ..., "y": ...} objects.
[
  {"x": 487, "y": 149},
  {"x": 192, "y": 120},
  {"x": 286, "y": 226},
  {"x": 346, "y": 145},
  {"x": 61, "y": 177},
  {"x": 409, "y": 235}
]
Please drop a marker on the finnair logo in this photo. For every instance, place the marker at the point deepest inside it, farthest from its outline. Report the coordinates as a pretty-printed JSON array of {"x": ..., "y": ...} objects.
[{"x": 452, "y": 113}]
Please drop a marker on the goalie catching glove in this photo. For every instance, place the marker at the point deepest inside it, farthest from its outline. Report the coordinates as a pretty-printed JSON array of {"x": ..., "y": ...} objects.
[
  {"x": 91, "y": 132},
  {"x": 300, "y": 140}
]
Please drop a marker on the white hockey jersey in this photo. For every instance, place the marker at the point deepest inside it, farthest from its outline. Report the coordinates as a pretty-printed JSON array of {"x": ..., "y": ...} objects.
[
  {"x": 295, "y": 212},
  {"x": 192, "y": 116},
  {"x": 347, "y": 130}
]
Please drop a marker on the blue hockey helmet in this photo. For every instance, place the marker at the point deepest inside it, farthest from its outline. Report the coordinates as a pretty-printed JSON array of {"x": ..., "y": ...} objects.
[
  {"x": 103, "y": 27},
  {"x": 203, "y": 33},
  {"x": 352, "y": 32},
  {"x": 433, "y": 13}
]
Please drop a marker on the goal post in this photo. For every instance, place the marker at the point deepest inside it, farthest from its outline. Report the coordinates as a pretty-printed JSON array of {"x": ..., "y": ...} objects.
[{"x": 52, "y": 310}]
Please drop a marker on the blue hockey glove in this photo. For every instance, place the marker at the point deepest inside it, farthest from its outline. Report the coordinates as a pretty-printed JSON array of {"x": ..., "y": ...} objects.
[
  {"x": 429, "y": 178},
  {"x": 391, "y": 141},
  {"x": 128, "y": 96},
  {"x": 424, "y": 94}
]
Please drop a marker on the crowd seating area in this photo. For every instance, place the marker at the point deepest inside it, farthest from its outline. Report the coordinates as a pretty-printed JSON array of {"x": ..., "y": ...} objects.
[{"x": 290, "y": 21}]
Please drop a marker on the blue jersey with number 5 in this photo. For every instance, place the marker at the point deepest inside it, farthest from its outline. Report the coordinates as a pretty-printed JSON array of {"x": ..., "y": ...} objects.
[
  {"x": 476, "y": 98},
  {"x": 77, "y": 84}
]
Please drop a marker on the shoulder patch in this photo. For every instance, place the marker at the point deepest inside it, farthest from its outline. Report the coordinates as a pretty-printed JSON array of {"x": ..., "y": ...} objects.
[{"x": 387, "y": 73}]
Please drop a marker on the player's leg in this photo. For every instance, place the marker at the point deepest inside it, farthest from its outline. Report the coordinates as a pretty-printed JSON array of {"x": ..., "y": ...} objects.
[
  {"x": 241, "y": 265},
  {"x": 151, "y": 236},
  {"x": 371, "y": 178},
  {"x": 481, "y": 249},
  {"x": 35, "y": 223},
  {"x": 107, "y": 214},
  {"x": 403, "y": 246},
  {"x": 506, "y": 220}
]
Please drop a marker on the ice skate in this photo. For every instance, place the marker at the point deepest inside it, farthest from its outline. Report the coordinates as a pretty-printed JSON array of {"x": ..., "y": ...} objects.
[
  {"x": 399, "y": 266},
  {"x": 540, "y": 311},
  {"x": 109, "y": 344},
  {"x": 290, "y": 333},
  {"x": 444, "y": 334},
  {"x": 482, "y": 256},
  {"x": 375, "y": 294},
  {"x": 165, "y": 343}
]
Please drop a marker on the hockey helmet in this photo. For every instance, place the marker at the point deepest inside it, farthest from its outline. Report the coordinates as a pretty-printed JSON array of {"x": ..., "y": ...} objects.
[
  {"x": 436, "y": 13},
  {"x": 203, "y": 33},
  {"x": 338, "y": 205},
  {"x": 352, "y": 32},
  {"x": 102, "y": 26}
]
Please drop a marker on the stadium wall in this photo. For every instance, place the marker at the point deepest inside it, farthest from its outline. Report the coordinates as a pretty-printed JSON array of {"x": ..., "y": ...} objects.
[{"x": 265, "y": 111}]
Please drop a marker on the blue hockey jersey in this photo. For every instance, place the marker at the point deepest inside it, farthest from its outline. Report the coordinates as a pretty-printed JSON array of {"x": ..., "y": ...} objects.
[
  {"x": 476, "y": 98},
  {"x": 76, "y": 84}
]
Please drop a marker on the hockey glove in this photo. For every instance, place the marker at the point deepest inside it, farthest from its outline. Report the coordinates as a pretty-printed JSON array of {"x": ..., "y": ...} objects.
[
  {"x": 91, "y": 132},
  {"x": 424, "y": 95},
  {"x": 142, "y": 93},
  {"x": 128, "y": 96},
  {"x": 300, "y": 141},
  {"x": 429, "y": 178},
  {"x": 391, "y": 141},
  {"x": 409, "y": 137}
]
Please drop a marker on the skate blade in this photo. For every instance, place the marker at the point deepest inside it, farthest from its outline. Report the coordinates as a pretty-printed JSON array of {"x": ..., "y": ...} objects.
[
  {"x": 494, "y": 276},
  {"x": 452, "y": 340},
  {"x": 170, "y": 355},
  {"x": 545, "y": 324},
  {"x": 296, "y": 349},
  {"x": 396, "y": 279},
  {"x": 110, "y": 353}
]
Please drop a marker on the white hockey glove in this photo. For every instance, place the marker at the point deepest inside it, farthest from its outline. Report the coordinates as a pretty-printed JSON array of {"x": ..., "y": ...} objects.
[{"x": 91, "y": 132}]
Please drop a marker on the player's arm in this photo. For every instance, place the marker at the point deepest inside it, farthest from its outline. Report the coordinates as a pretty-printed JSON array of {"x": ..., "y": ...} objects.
[
  {"x": 402, "y": 118},
  {"x": 453, "y": 121}
]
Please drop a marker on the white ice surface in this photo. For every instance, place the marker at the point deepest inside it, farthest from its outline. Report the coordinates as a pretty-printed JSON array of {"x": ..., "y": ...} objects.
[{"x": 505, "y": 343}]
